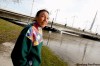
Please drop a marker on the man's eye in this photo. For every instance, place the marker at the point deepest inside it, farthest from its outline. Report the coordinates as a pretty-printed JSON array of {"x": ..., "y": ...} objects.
[{"x": 42, "y": 16}]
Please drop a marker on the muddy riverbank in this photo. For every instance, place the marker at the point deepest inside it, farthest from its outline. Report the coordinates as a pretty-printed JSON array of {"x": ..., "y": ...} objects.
[{"x": 5, "y": 51}]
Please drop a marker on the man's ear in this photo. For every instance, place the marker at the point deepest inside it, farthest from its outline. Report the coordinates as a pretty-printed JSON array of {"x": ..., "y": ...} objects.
[{"x": 35, "y": 18}]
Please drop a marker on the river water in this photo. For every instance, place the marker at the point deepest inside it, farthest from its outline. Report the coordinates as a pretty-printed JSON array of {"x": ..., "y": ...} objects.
[{"x": 73, "y": 49}]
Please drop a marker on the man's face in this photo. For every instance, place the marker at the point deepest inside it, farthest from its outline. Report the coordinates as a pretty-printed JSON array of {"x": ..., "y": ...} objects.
[{"x": 42, "y": 19}]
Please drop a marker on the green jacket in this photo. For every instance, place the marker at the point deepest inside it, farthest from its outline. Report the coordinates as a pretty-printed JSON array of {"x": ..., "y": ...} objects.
[{"x": 25, "y": 51}]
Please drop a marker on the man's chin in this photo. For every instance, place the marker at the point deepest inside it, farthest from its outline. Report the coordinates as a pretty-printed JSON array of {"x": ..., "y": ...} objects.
[{"x": 43, "y": 26}]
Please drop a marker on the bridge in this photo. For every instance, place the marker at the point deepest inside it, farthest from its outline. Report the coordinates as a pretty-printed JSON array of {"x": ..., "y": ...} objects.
[
  {"x": 15, "y": 16},
  {"x": 76, "y": 32}
]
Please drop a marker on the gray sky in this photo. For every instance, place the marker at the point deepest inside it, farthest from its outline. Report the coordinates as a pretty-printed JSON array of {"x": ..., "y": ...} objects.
[{"x": 76, "y": 13}]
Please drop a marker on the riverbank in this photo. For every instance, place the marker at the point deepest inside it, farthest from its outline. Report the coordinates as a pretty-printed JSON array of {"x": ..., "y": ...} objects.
[{"x": 8, "y": 35}]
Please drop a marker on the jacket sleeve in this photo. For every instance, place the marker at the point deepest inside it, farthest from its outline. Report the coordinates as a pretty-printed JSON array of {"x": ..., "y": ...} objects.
[{"x": 21, "y": 50}]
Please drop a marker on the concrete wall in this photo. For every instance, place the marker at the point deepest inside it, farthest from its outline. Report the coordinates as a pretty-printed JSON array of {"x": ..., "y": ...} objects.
[{"x": 15, "y": 16}]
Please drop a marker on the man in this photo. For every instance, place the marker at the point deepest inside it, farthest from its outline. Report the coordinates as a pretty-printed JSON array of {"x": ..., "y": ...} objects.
[{"x": 27, "y": 50}]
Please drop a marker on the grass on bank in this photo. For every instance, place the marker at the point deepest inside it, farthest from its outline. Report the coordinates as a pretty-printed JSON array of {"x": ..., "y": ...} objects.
[
  {"x": 10, "y": 32},
  {"x": 49, "y": 59}
]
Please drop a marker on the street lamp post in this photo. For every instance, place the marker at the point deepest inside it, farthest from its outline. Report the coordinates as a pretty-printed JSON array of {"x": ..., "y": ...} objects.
[
  {"x": 31, "y": 11},
  {"x": 56, "y": 14},
  {"x": 54, "y": 19},
  {"x": 73, "y": 20},
  {"x": 93, "y": 21}
]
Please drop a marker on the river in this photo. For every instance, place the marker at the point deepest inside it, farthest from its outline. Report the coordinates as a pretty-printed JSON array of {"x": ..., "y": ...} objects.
[{"x": 74, "y": 49}]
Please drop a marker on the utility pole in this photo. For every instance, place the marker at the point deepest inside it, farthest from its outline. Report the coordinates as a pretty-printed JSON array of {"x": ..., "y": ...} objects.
[
  {"x": 54, "y": 19},
  {"x": 73, "y": 20},
  {"x": 56, "y": 14},
  {"x": 52, "y": 23},
  {"x": 93, "y": 21},
  {"x": 31, "y": 11},
  {"x": 66, "y": 22}
]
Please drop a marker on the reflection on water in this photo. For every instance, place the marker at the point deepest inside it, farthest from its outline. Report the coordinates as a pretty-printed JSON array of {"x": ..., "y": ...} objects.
[{"x": 74, "y": 49}]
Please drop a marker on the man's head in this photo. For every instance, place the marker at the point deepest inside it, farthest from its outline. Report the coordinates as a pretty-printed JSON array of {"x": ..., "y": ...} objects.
[{"x": 42, "y": 17}]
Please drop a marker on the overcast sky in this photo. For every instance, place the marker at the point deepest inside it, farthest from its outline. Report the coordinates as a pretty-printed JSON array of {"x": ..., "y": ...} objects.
[{"x": 76, "y": 13}]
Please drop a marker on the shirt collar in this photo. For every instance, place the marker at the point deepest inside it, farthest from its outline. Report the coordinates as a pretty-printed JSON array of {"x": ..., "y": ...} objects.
[{"x": 37, "y": 25}]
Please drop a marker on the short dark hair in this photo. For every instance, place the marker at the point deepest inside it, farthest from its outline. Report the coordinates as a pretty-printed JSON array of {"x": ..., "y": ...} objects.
[{"x": 43, "y": 10}]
